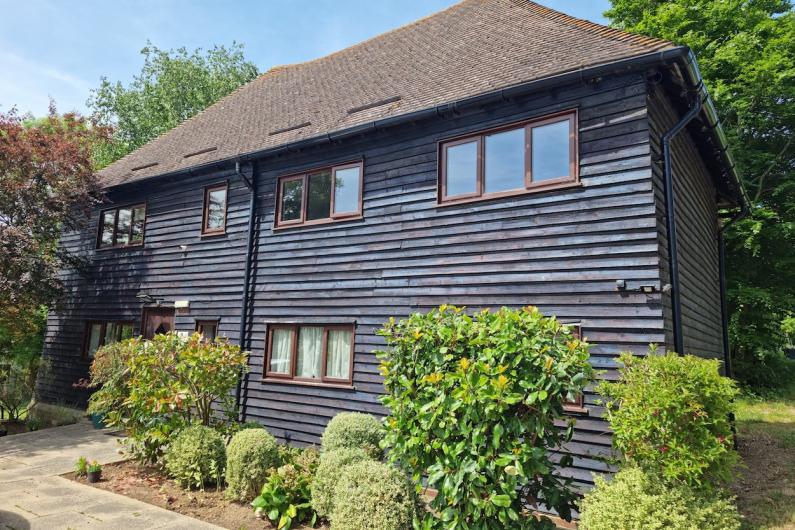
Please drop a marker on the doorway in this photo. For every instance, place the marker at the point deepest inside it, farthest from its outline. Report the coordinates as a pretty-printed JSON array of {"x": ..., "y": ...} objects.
[{"x": 157, "y": 320}]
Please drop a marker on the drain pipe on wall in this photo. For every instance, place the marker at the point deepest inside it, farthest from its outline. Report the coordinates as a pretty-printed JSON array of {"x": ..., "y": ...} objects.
[
  {"x": 252, "y": 186},
  {"x": 670, "y": 215},
  {"x": 724, "y": 310}
]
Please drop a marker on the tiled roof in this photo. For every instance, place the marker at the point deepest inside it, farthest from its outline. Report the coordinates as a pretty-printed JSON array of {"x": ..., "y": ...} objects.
[{"x": 471, "y": 48}]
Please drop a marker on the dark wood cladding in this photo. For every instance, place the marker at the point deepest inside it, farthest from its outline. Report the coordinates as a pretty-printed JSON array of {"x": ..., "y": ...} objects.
[{"x": 561, "y": 250}]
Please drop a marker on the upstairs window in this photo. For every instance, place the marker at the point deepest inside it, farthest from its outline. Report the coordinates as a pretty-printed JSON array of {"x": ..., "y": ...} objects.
[
  {"x": 214, "y": 216},
  {"x": 100, "y": 333},
  {"x": 516, "y": 159},
  {"x": 320, "y": 196},
  {"x": 122, "y": 227},
  {"x": 310, "y": 353}
]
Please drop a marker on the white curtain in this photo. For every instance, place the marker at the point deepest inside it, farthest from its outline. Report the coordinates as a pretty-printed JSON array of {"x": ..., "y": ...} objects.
[
  {"x": 281, "y": 351},
  {"x": 338, "y": 356},
  {"x": 310, "y": 342}
]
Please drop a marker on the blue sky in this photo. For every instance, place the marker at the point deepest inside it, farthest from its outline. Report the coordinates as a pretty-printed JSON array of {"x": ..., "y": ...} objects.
[{"x": 61, "y": 48}]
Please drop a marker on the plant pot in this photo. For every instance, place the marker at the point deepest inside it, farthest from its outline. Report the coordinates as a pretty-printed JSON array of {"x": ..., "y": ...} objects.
[
  {"x": 94, "y": 476},
  {"x": 97, "y": 420}
]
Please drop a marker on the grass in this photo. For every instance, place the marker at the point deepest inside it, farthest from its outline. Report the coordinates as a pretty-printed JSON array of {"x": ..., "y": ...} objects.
[{"x": 766, "y": 438}]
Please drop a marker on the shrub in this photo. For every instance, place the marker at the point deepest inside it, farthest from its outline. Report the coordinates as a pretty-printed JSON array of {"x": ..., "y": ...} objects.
[
  {"x": 635, "y": 499},
  {"x": 332, "y": 463},
  {"x": 249, "y": 458},
  {"x": 155, "y": 387},
  {"x": 473, "y": 401},
  {"x": 373, "y": 496},
  {"x": 196, "y": 457},
  {"x": 285, "y": 497},
  {"x": 354, "y": 430},
  {"x": 670, "y": 415}
]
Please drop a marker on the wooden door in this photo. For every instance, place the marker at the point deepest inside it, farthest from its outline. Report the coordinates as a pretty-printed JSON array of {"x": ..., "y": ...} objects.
[{"x": 157, "y": 320}]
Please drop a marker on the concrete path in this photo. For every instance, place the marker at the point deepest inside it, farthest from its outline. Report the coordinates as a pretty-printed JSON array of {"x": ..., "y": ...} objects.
[{"x": 33, "y": 496}]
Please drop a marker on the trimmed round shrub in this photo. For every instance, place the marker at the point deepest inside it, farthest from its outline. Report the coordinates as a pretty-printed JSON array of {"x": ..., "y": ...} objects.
[
  {"x": 354, "y": 430},
  {"x": 373, "y": 496},
  {"x": 635, "y": 499},
  {"x": 249, "y": 458},
  {"x": 197, "y": 456},
  {"x": 328, "y": 474}
]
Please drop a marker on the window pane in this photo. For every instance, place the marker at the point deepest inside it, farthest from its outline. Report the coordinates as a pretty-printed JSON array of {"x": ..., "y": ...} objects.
[
  {"x": 462, "y": 169},
  {"x": 208, "y": 331},
  {"x": 281, "y": 351},
  {"x": 127, "y": 332},
  {"x": 318, "y": 197},
  {"x": 338, "y": 353},
  {"x": 310, "y": 342},
  {"x": 107, "y": 221},
  {"x": 346, "y": 190},
  {"x": 216, "y": 209},
  {"x": 111, "y": 332},
  {"x": 551, "y": 151},
  {"x": 504, "y": 162},
  {"x": 123, "y": 227},
  {"x": 94, "y": 337},
  {"x": 292, "y": 197},
  {"x": 139, "y": 216}
]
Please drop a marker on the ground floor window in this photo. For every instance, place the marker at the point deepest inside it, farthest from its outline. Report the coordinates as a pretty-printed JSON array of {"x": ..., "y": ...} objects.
[
  {"x": 313, "y": 353},
  {"x": 102, "y": 332},
  {"x": 207, "y": 328},
  {"x": 576, "y": 405}
]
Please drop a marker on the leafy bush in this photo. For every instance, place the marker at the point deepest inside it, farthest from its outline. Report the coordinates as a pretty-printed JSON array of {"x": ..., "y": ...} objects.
[
  {"x": 634, "y": 499},
  {"x": 670, "y": 415},
  {"x": 81, "y": 467},
  {"x": 332, "y": 463},
  {"x": 250, "y": 456},
  {"x": 473, "y": 401},
  {"x": 768, "y": 375},
  {"x": 354, "y": 430},
  {"x": 373, "y": 496},
  {"x": 153, "y": 388},
  {"x": 285, "y": 497},
  {"x": 196, "y": 457}
]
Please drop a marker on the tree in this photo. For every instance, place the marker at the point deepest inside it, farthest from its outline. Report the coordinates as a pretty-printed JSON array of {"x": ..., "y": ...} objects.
[
  {"x": 746, "y": 52},
  {"x": 173, "y": 85}
]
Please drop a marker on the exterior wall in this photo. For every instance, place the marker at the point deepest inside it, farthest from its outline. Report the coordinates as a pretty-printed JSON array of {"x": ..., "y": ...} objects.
[{"x": 697, "y": 235}]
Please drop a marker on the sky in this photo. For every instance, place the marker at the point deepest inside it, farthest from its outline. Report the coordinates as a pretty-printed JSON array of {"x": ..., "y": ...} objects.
[{"x": 60, "y": 49}]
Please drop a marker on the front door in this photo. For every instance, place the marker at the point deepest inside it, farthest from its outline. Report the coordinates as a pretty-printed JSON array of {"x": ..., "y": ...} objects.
[{"x": 157, "y": 320}]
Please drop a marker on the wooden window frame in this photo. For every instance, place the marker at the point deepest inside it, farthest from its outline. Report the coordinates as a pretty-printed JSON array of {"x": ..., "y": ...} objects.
[
  {"x": 103, "y": 329},
  {"x": 324, "y": 380},
  {"x": 303, "y": 176},
  {"x": 206, "y": 209},
  {"x": 207, "y": 322},
  {"x": 115, "y": 209},
  {"x": 577, "y": 405},
  {"x": 573, "y": 179}
]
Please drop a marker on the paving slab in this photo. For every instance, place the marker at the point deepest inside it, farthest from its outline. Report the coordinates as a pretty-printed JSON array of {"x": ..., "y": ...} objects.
[{"x": 34, "y": 497}]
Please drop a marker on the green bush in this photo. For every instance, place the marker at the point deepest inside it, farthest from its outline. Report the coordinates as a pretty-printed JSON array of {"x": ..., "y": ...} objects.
[
  {"x": 332, "y": 463},
  {"x": 373, "y": 496},
  {"x": 670, "y": 415},
  {"x": 473, "y": 403},
  {"x": 249, "y": 458},
  {"x": 285, "y": 497},
  {"x": 196, "y": 457},
  {"x": 635, "y": 500},
  {"x": 354, "y": 429}
]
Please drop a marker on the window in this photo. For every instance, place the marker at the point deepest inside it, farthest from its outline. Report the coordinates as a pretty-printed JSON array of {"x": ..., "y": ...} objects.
[
  {"x": 312, "y": 353},
  {"x": 122, "y": 227},
  {"x": 207, "y": 328},
  {"x": 214, "y": 216},
  {"x": 576, "y": 405},
  {"x": 516, "y": 159},
  {"x": 99, "y": 333},
  {"x": 320, "y": 196}
]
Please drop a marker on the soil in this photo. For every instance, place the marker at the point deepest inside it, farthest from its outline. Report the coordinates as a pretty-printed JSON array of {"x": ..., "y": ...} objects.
[
  {"x": 13, "y": 427},
  {"x": 150, "y": 485}
]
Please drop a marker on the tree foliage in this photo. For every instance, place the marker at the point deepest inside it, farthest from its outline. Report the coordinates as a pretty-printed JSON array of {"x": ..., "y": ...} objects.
[
  {"x": 746, "y": 52},
  {"x": 172, "y": 86}
]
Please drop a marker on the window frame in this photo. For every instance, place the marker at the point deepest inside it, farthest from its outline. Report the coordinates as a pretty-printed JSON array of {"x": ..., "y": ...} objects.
[
  {"x": 103, "y": 330},
  {"x": 577, "y": 405},
  {"x": 573, "y": 179},
  {"x": 303, "y": 176},
  {"x": 206, "y": 322},
  {"x": 206, "y": 209},
  {"x": 323, "y": 380},
  {"x": 101, "y": 225}
]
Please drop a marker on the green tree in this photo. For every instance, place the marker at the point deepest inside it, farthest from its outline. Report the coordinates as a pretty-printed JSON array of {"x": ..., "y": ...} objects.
[
  {"x": 746, "y": 52},
  {"x": 172, "y": 86}
]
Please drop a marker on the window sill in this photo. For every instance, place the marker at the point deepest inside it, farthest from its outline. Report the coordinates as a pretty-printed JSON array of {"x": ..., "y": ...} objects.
[
  {"x": 218, "y": 233},
  {"x": 503, "y": 194},
  {"x": 283, "y": 381},
  {"x": 574, "y": 409},
  {"x": 121, "y": 247},
  {"x": 321, "y": 222}
]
